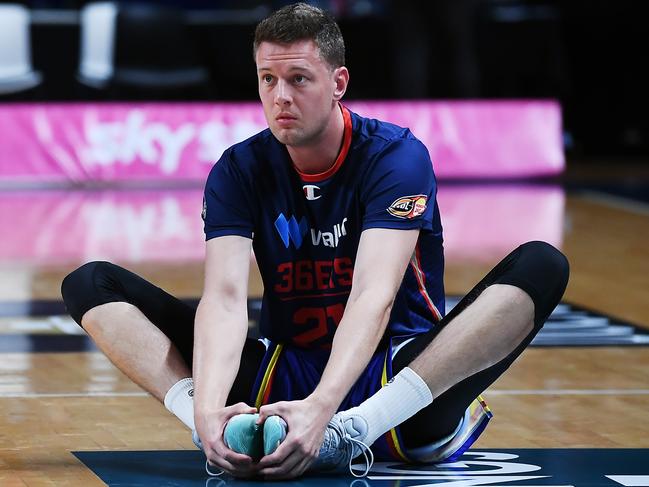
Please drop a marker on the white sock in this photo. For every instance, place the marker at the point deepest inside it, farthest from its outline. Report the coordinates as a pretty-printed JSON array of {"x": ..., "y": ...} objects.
[
  {"x": 402, "y": 397},
  {"x": 180, "y": 401}
]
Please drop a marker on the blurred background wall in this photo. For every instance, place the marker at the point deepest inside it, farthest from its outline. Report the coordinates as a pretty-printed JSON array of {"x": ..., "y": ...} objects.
[{"x": 588, "y": 54}]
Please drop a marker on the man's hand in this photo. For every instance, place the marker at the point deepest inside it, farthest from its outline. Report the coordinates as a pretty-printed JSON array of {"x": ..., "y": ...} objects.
[
  {"x": 306, "y": 422},
  {"x": 210, "y": 430}
]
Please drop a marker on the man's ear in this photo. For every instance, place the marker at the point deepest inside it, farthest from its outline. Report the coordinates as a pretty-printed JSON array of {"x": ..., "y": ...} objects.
[{"x": 341, "y": 78}]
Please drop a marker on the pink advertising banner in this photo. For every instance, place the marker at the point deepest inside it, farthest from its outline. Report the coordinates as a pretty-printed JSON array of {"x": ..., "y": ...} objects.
[
  {"x": 76, "y": 143},
  {"x": 131, "y": 226}
]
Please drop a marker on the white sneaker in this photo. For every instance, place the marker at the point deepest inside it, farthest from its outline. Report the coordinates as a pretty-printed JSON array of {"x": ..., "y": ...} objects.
[
  {"x": 449, "y": 449},
  {"x": 342, "y": 443},
  {"x": 197, "y": 441}
]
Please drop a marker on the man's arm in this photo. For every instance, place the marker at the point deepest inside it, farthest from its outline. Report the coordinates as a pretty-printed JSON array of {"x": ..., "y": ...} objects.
[
  {"x": 382, "y": 258},
  {"x": 220, "y": 331}
]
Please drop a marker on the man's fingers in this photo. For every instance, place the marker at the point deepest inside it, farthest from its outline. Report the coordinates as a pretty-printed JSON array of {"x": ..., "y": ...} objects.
[
  {"x": 221, "y": 453},
  {"x": 241, "y": 408},
  {"x": 263, "y": 414},
  {"x": 303, "y": 465},
  {"x": 285, "y": 448},
  {"x": 298, "y": 470},
  {"x": 282, "y": 470},
  {"x": 237, "y": 458},
  {"x": 286, "y": 471},
  {"x": 236, "y": 468},
  {"x": 220, "y": 464},
  {"x": 232, "y": 457},
  {"x": 270, "y": 410}
]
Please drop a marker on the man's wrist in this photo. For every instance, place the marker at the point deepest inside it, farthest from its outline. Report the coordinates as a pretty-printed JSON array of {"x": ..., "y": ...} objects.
[
  {"x": 324, "y": 401},
  {"x": 207, "y": 408}
]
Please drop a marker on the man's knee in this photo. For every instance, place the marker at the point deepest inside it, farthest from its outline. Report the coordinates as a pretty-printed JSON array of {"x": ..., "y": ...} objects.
[
  {"x": 87, "y": 287},
  {"x": 542, "y": 271},
  {"x": 549, "y": 262}
]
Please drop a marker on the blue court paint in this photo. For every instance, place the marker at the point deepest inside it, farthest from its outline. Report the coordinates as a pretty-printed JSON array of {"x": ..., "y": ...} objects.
[
  {"x": 488, "y": 467},
  {"x": 42, "y": 343}
]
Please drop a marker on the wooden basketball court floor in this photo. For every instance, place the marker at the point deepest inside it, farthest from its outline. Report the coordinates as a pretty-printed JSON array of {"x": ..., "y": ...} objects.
[{"x": 54, "y": 403}]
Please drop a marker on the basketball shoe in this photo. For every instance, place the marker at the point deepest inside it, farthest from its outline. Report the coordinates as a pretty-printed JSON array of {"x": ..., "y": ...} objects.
[
  {"x": 199, "y": 444},
  {"x": 243, "y": 435},
  {"x": 449, "y": 449},
  {"x": 339, "y": 446},
  {"x": 274, "y": 433},
  {"x": 196, "y": 439},
  {"x": 343, "y": 441}
]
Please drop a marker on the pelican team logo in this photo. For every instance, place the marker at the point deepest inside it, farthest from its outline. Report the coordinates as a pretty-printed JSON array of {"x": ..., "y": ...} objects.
[{"x": 408, "y": 206}]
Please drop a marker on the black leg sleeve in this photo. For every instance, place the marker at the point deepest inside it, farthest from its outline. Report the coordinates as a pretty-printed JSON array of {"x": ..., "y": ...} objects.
[
  {"x": 97, "y": 283},
  {"x": 535, "y": 267}
]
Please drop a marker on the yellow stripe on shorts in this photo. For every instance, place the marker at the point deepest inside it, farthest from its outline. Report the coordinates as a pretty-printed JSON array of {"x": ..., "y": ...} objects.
[
  {"x": 267, "y": 375},
  {"x": 393, "y": 432}
]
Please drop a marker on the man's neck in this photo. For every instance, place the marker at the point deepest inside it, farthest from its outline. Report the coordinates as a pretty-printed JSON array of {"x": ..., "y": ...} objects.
[{"x": 318, "y": 158}]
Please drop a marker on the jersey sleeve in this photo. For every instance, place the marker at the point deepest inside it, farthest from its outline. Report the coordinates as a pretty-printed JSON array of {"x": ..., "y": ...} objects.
[
  {"x": 399, "y": 190},
  {"x": 227, "y": 201}
]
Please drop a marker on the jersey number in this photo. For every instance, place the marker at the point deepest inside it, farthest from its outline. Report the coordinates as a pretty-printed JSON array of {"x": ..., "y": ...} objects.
[{"x": 321, "y": 317}]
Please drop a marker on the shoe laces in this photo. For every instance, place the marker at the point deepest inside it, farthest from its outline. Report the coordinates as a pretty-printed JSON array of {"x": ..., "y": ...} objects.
[
  {"x": 197, "y": 441},
  {"x": 212, "y": 473},
  {"x": 349, "y": 443}
]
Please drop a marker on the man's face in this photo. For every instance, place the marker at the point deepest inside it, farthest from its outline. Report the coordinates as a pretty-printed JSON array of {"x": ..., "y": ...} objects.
[{"x": 298, "y": 90}]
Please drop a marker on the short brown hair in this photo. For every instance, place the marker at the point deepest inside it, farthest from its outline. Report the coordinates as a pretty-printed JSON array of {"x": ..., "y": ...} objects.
[{"x": 301, "y": 21}]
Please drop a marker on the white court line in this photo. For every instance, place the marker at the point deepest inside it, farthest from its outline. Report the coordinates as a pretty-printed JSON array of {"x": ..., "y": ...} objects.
[
  {"x": 631, "y": 480},
  {"x": 66, "y": 325},
  {"x": 32, "y": 395},
  {"x": 618, "y": 202},
  {"x": 489, "y": 392},
  {"x": 566, "y": 392}
]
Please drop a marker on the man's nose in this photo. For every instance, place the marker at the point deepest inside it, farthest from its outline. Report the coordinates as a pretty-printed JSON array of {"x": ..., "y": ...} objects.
[{"x": 283, "y": 93}]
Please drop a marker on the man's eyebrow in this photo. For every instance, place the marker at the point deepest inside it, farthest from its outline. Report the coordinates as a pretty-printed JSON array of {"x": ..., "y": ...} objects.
[
  {"x": 295, "y": 67},
  {"x": 299, "y": 68}
]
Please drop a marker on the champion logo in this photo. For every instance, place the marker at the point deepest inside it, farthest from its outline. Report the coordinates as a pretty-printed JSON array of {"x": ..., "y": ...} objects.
[
  {"x": 190, "y": 393},
  {"x": 311, "y": 192}
]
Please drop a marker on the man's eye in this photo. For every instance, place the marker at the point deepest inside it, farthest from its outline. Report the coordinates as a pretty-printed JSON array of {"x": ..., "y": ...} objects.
[
  {"x": 267, "y": 78},
  {"x": 300, "y": 79}
]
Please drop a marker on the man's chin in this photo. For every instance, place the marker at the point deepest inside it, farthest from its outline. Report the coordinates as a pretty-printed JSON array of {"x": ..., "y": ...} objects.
[{"x": 288, "y": 137}]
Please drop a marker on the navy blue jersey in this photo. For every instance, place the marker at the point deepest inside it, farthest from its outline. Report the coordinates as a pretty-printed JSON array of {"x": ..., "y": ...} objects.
[{"x": 306, "y": 228}]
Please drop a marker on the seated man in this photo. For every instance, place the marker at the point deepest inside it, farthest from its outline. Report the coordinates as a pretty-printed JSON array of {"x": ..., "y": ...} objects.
[{"x": 341, "y": 213}]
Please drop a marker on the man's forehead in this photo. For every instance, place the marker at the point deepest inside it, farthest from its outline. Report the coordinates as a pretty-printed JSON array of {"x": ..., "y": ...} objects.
[{"x": 304, "y": 52}]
